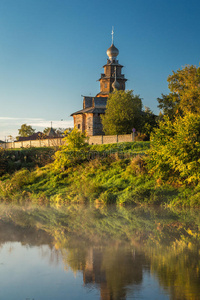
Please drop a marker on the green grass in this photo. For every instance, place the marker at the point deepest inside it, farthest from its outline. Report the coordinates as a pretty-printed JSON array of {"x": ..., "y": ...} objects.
[
  {"x": 125, "y": 147},
  {"x": 103, "y": 180},
  {"x": 107, "y": 180}
]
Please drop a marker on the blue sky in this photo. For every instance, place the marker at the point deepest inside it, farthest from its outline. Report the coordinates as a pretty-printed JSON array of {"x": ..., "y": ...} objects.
[{"x": 52, "y": 52}]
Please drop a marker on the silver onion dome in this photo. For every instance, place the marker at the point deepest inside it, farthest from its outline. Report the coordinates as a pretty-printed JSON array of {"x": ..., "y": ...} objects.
[{"x": 112, "y": 52}]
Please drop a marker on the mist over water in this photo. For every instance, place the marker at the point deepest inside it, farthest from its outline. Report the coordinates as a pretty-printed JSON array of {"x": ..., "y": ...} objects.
[{"x": 91, "y": 252}]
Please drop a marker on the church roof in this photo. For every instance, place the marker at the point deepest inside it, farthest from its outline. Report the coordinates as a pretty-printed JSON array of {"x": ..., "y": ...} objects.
[
  {"x": 94, "y": 110},
  {"x": 105, "y": 94},
  {"x": 109, "y": 77},
  {"x": 110, "y": 63}
]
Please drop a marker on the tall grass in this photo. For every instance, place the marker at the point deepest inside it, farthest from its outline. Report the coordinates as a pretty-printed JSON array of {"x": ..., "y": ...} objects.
[{"x": 106, "y": 180}]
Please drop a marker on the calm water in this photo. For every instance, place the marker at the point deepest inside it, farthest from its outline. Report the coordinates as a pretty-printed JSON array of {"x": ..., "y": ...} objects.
[{"x": 82, "y": 252}]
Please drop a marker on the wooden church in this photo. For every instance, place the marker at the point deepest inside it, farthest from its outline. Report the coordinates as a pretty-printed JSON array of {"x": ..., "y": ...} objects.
[{"x": 88, "y": 119}]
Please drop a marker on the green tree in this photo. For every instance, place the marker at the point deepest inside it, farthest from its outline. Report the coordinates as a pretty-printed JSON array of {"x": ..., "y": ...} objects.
[
  {"x": 72, "y": 150},
  {"x": 59, "y": 131},
  {"x": 123, "y": 113},
  {"x": 184, "y": 94},
  {"x": 26, "y": 130},
  {"x": 63, "y": 131},
  {"x": 75, "y": 140},
  {"x": 175, "y": 150},
  {"x": 11, "y": 138},
  {"x": 148, "y": 123},
  {"x": 170, "y": 105}
]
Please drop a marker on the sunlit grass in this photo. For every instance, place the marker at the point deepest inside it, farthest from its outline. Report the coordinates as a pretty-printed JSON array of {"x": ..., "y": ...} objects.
[{"x": 105, "y": 180}]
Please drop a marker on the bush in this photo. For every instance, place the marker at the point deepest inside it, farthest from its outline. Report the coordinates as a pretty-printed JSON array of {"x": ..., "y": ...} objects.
[
  {"x": 175, "y": 150},
  {"x": 72, "y": 151}
]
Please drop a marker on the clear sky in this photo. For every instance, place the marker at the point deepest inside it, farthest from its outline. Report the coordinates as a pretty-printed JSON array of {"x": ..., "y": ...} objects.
[{"x": 52, "y": 52}]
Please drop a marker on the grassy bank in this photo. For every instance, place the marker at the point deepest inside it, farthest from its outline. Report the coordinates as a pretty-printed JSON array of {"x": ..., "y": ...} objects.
[{"x": 105, "y": 179}]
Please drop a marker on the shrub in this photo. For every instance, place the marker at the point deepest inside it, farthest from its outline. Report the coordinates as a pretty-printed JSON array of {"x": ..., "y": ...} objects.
[
  {"x": 175, "y": 150},
  {"x": 72, "y": 151}
]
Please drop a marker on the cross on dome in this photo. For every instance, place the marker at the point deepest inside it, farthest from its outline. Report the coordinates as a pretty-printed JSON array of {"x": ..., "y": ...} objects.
[
  {"x": 112, "y": 33},
  {"x": 112, "y": 51}
]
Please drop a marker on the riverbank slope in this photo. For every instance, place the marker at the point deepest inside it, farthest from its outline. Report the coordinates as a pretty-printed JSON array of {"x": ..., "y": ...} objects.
[{"x": 104, "y": 174}]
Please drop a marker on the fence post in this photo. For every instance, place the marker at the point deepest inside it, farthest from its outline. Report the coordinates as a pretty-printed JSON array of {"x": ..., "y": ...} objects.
[
  {"x": 102, "y": 139},
  {"x": 117, "y": 138}
]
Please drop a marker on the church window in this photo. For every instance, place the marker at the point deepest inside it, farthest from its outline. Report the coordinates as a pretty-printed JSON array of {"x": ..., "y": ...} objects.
[
  {"x": 105, "y": 85},
  {"x": 79, "y": 126}
]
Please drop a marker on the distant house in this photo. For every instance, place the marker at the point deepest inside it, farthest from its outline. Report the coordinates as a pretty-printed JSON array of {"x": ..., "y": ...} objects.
[
  {"x": 33, "y": 137},
  {"x": 40, "y": 135}
]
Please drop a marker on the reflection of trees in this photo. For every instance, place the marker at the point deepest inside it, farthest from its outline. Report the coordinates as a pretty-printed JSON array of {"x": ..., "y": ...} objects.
[
  {"x": 178, "y": 269},
  {"x": 30, "y": 236},
  {"x": 74, "y": 255},
  {"x": 11, "y": 232},
  {"x": 110, "y": 246}
]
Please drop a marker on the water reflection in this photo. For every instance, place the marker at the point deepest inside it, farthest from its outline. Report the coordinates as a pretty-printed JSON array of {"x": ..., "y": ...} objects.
[{"x": 115, "y": 251}]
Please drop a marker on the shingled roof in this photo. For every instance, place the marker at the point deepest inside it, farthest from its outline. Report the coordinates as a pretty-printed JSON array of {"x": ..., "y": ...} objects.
[{"x": 94, "y": 110}]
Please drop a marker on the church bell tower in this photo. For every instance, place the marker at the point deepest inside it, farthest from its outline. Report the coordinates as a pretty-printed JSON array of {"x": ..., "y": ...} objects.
[{"x": 111, "y": 79}]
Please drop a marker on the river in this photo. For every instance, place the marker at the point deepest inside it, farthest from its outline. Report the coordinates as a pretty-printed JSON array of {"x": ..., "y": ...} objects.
[{"x": 95, "y": 252}]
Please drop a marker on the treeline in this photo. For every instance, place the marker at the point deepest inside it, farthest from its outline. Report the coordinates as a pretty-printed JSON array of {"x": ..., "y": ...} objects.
[{"x": 175, "y": 144}]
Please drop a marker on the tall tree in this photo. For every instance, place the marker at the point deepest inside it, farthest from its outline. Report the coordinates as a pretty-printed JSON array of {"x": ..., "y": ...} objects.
[
  {"x": 186, "y": 84},
  {"x": 149, "y": 122},
  {"x": 26, "y": 130},
  {"x": 123, "y": 113},
  {"x": 170, "y": 105},
  {"x": 175, "y": 148},
  {"x": 184, "y": 94}
]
